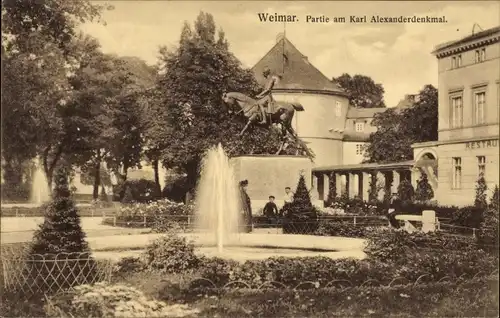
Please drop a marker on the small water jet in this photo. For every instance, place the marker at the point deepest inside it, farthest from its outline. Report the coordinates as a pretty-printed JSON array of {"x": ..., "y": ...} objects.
[
  {"x": 218, "y": 198},
  {"x": 40, "y": 192}
]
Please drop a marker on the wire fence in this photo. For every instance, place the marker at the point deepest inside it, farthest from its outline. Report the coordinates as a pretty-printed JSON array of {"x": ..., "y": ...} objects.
[{"x": 37, "y": 274}]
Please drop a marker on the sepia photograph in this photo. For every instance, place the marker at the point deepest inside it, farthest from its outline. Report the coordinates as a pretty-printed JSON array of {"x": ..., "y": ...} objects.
[{"x": 249, "y": 159}]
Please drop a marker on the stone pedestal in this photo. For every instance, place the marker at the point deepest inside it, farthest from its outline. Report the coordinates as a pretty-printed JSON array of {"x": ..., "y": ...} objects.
[
  {"x": 269, "y": 175},
  {"x": 428, "y": 221}
]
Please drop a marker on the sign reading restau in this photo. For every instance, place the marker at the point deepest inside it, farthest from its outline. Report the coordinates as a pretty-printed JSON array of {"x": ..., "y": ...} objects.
[{"x": 480, "y": 144}]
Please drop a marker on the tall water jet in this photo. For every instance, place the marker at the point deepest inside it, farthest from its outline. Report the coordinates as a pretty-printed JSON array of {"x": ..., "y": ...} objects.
[
  {"x": 217, "y": 197},
  {"x": 40, "y": 192}
]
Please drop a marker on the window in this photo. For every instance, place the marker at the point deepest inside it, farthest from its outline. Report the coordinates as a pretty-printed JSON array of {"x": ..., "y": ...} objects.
[
  {"x": 359, "y": 149},
  {"x": 481, "y": 164},
  {"x": 456, "y": 111},
  {"x": 457, "y": 173},
  {"x": 459, "y": 61},
  {"x": 360, "y": 127},
  {"x": 479, "y": 107},
  {"x": 338, "y": 109},
  {"x": 480, "y": 55},
  {"x": 454, "y": 62}
]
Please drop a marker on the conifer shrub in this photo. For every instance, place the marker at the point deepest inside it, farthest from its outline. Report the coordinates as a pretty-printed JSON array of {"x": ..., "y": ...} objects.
[
  {"x": 302, "y": 216},
  {"x": 60, "y": 256},
  {"x": 424, "y": 190},
  {"x": 495, "y": 198},
  {"x": 405, "y": 191},
  {"x": 481, "y": 192}
]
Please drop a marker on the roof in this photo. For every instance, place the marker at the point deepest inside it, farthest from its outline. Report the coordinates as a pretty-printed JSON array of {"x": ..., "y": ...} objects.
[
  {"x": 470, "y": 38},
  {"x": 355, "y": 112},
  {"x": 297, "y": 72},
  {"x": 366, "y": 166},
  {"x": 356, "y": 136}
]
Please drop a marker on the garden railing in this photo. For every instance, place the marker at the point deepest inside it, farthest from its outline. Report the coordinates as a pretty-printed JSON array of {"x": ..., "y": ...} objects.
[{"x": 39, "y": 274}]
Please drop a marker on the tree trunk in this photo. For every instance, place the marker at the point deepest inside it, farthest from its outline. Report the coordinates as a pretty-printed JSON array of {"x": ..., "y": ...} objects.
[
  {"x": 157, "y": 175},
  {"x": 50, "y": 167},
  {"x": 192, "y": 175},
  {"x": 97, "y": 176}
]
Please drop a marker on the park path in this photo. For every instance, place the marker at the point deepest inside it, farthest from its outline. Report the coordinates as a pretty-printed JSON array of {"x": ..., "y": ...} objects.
[{"x": 21, "y": 229}]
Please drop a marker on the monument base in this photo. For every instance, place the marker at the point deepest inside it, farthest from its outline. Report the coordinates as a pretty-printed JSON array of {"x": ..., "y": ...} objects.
[{"x": 270, "y": 174}]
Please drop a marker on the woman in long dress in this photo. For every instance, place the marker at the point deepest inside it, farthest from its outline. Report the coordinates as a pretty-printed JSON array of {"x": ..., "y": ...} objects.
[{"x": 246, "y": 206}]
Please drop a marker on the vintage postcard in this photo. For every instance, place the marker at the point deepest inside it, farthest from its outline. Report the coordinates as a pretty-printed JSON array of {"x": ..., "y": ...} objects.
[{"x": 250, "y": 158}]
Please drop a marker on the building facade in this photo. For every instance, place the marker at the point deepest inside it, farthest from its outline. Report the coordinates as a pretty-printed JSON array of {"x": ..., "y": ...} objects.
[{"x": 468, "y": 127}]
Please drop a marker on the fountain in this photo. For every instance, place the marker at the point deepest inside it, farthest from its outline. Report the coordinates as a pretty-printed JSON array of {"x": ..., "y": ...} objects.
[
  {"x": 217, "y": 199},
  {"x": 218, "y": 218},
  {"x": 40, "y": 192}
]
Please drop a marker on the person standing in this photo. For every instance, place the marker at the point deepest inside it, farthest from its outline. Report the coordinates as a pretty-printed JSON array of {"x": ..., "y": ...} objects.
[
  {"x": 394, "y": 207},
  {"x": 271, "y": 210},
  {"x": 288, "y": 199},
  {"x": 246, "y": 206}
]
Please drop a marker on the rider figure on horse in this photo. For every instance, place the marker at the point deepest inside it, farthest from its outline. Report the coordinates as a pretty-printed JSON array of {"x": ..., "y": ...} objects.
[{"x": 266, "y": 96}]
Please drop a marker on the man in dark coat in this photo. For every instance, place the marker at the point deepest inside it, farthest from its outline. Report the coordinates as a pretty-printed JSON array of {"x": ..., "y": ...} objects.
[
  {"x": 246, "y": 206},
  {"x": 271, "y": 210}
]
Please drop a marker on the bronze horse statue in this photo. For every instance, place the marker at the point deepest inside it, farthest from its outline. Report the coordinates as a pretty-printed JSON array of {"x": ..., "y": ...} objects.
[{"x": 281, "y": 114}]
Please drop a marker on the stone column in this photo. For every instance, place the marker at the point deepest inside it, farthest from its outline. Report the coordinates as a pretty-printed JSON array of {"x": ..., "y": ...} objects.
[
  {"x": 326, "y": 186},
  {"x": 415, "y": 176},
  {"x": 365, "y": 185},
  {"x": 380, "y": 184},
  {"x": 352, "y": 185},
  {"x": 338, "y": 184},
  {"x": 396, "y": 177}
]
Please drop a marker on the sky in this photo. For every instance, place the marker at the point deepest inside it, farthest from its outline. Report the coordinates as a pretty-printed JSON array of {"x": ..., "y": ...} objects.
[{"x": 396, "y": 55}]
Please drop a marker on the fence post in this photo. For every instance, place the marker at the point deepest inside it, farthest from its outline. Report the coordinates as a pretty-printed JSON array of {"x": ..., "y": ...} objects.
[
  {"x": 114, "y": 220},
  {"x": 144, "y": 221},
  {"x": 17, "y": 212},
  {"x": 189, "y": 220},
  {"x": 354, "y": 220},
  {"x": 473, "y": 232}
]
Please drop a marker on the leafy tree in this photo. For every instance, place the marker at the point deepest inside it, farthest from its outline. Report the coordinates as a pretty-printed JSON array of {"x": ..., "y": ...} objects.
[
  {"x": 37, "y": 40},
  {"x": 396, "y": 131},
  {"x": 495, "y": 198},
  {"x": 363, "y": 91},
  {"x": 406, "y": 191},
  {"x": 193, "y": 80},
  {"x": 481, "y": 192},
  {"x": 424, "y": 190},
  {"x": 301, "y": 216},
  {"x": 61, "y": 230}
]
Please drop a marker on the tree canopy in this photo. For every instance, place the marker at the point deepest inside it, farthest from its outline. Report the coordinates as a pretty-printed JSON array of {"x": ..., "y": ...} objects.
[
  {"x": 363, "y": 91},
  {"x": 196, "y": 74},
  {"x": 397, "y": 130}
]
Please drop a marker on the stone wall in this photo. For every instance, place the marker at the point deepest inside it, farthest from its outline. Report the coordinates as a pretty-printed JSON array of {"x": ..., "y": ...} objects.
[{"x": 269, "y": 175}]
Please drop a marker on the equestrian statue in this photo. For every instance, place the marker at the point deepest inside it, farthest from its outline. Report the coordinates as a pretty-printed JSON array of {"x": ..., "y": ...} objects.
[{"x": 265, "y": 110}]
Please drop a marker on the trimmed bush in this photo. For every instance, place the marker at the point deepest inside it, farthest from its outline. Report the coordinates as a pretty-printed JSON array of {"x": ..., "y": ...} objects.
[
  {"x": 301, "y": 216},
  {"x": 141, "y": 191},
  {"x": 406, "y": 191},
  {"x": 480, "y": 200},
  {"x": 424, "y": 191},
  {"x": 487, "y": 236},
  {"x": 342, "y": 228},
  {"x": 469, "y": 216},
  {"x": 171, "y": 254},
  {"x": 60, "y": 232}
]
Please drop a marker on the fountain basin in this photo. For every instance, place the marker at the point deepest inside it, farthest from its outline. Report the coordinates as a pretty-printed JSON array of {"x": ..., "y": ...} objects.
[{"x": 242, "y": 247}]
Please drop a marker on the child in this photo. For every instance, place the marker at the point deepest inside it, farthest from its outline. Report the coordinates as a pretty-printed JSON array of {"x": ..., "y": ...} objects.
[{"x": 270, "y": 209}]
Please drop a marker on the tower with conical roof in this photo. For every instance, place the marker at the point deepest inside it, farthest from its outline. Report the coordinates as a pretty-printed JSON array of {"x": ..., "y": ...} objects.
[{"x": 325, "y": 103}]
